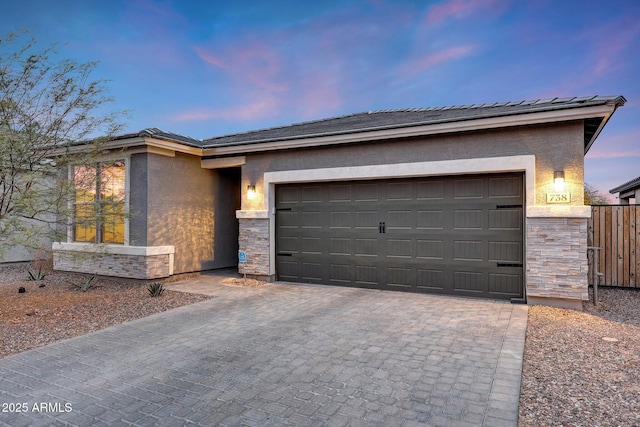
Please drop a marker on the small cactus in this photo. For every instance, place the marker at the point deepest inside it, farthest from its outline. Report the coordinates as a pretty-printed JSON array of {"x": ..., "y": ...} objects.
[{"x": 156, "y": 289}]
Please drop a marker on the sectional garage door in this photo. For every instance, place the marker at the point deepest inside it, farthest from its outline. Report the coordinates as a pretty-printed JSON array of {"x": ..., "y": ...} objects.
[{"x": 458, "y": 235}]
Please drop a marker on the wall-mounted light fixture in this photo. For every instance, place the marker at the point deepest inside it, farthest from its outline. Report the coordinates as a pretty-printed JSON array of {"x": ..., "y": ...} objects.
[
  {"x": 251, "y": 191},
  {"x": 558, "y": 181}
]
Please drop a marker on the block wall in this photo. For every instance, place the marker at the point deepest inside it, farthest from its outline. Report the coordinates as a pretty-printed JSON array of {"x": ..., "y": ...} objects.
[{"x": 557, "y": 263}]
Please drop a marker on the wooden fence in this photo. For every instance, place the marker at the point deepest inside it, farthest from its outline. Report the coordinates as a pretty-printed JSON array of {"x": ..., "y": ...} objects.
[{"x": 616, "y": 229}]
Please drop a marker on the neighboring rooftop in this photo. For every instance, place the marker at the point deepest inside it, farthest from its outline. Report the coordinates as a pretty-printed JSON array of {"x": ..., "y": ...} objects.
[{"x": 634, "y": 184}]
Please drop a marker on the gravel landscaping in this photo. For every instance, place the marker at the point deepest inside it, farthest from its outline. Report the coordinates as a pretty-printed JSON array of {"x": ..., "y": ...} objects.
[
  {"x": 583, "y": 368},
  {"x": 60, "y": 310},
  {"x": 579, "y": 369}
]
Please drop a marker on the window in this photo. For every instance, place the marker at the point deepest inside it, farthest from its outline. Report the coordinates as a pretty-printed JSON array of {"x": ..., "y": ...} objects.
[{"x": 99, "y": 202}]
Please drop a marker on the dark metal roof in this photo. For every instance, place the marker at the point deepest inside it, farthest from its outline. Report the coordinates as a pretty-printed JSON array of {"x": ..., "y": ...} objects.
[
  {"x": 631, "y": 185},
  {"x": 389, "y": 119},
  {"x": 160, "y": 134}
]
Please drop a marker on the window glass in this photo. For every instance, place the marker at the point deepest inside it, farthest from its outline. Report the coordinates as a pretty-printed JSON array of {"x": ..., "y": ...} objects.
[{"x": 99, "y": 198}]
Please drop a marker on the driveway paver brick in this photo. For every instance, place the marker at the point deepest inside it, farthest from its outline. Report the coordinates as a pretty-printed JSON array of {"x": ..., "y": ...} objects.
[{"x": 282, "y": 354}]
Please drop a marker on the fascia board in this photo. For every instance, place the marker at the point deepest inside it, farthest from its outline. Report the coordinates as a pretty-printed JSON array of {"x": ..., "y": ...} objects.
[
  {"x": 136, "y": 142},
  {"x": 420, "y": 130}
]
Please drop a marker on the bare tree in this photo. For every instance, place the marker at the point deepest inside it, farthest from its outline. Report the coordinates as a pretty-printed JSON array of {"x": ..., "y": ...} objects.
[
  {"x": 52, "y": 115},
  {"x": 592, "y": 196}
]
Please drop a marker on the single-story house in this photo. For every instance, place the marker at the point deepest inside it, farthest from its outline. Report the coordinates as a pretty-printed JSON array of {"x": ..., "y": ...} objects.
[
  {"x": 627, "y": 191},
  {"x": 478, "y": 200}
]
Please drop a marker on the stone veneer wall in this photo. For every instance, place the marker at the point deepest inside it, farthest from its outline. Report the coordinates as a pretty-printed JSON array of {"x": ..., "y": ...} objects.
[
  {"x": 119, "y": 265},
  {"x": 253, "y": 239},
  {"x": 557, "y": 263}
]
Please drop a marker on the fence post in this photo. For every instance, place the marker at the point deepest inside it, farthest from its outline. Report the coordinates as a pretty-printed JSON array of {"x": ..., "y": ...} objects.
[{"x": 596, "y": 271}]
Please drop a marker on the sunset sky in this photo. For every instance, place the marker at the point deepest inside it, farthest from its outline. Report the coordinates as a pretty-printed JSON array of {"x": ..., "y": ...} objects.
[{"x": 208, "y": 68}]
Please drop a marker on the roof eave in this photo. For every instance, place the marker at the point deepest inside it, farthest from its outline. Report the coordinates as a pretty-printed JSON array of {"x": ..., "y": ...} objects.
[{"x": 613, "y": 105}]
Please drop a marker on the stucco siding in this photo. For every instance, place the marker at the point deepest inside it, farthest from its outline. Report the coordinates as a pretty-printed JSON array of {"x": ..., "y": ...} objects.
[
  {"x": 138, "y": 196},
  {"x": 556, "y": 147},
  {"x": 192, "y": 209}
]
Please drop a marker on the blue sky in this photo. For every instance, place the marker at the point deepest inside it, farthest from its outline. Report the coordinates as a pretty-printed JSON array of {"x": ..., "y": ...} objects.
[{"x": 208, "y": 68}]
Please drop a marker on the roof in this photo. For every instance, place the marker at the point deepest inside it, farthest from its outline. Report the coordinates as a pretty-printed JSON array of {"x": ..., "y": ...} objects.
[
  {"x": 389, "y": 119},
  {"x": 408, "y": 119},
  {"x": 630, "y": 185},
  {"x": 158, "y": 133}
]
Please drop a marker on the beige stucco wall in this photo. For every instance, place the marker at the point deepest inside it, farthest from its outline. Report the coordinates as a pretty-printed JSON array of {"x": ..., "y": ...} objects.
[{"x": 192, "y": 209}]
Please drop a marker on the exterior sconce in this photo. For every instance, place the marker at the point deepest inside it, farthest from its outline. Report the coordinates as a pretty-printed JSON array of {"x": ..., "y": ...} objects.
[
  {"x": 251, "y": 191},
  {"x": 558, "y": 181}
]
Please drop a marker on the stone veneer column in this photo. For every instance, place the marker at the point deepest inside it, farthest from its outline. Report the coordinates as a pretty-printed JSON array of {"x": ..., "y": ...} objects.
[
  {"x": 557, "y": 263},
  {"x": 253, "y": 239}
]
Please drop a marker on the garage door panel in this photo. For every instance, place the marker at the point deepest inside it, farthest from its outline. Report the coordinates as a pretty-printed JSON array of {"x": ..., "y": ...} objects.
[
  {"x": 312, "y": 245},
  {"x": 430, "y": 279},
  {"x": 287, "y": 219},
  {"x": 367, "y": 219},
  {"x": 312, "y": 272},
  {"x": 430, "y": 220},
  {"x": 505, "y": 251},
  {"x": 340, "y": 193},
  {"x": 366, "y": 274},
  {"x": 400, "y": 191},
  {"x": 288, "y": 270},
  {"x": 311, "y": 194},
  {"x": 469, "y": 219},
  {"x": 341, "y": 219},
  {"x": 311, "y": 219},
  {"x": 288, "y": 244},
  {"x": 505, "y": 219},
  {"x": 400, "y": 219},
  {"x": 288, "y": 195},
  {"x": 430, "y": 249},
  {"x": 340, "y": 246},
  {"x": 400, "y": 248},
  {"x": 505, "y": 186},
  {"x": 469, "y": 281},
  {"x": 400, "y": 277},
  {"x": 468, "y": 250},
  {"x": 366, "y": 247},
  {"x": 341, "y": 274},
  {"x": 459, "y": 235},
  {"x": 468, "y": 188},
  {"x": 430, "y": 190},
  {"x": 366, "y": 192},
  {"x": 506, "y": 284}
]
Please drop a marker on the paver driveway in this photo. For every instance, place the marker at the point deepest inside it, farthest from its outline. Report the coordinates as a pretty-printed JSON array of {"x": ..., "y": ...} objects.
[{"x": 281, "y": 354}]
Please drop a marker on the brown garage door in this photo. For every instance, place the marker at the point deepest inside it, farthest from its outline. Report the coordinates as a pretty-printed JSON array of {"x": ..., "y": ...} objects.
[{"x": 458, "y": 235}]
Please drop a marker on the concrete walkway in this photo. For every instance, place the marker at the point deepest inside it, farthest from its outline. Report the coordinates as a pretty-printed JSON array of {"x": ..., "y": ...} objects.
[{"x": 281, "y": 354}]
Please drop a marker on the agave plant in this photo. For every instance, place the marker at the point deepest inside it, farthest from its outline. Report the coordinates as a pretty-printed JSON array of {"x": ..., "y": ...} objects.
[
  {"x": 36, "y": 275},
  {"x": 156, "y": 289},
  {"x": 84, "y": 286}
]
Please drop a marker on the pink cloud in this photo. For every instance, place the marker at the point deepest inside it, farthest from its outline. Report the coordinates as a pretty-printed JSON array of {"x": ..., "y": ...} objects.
[
  {"x": 260, "y": 108},
  {"x": 418, "y": 65},
  {"x": 251, "y": 62},
  {"x": 454, "y": 9},
  {"x": 621, "y": 145}
]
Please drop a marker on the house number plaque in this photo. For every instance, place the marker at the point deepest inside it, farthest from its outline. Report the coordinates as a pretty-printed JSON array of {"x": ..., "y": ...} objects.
[{"x": 558, "y": 197}]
